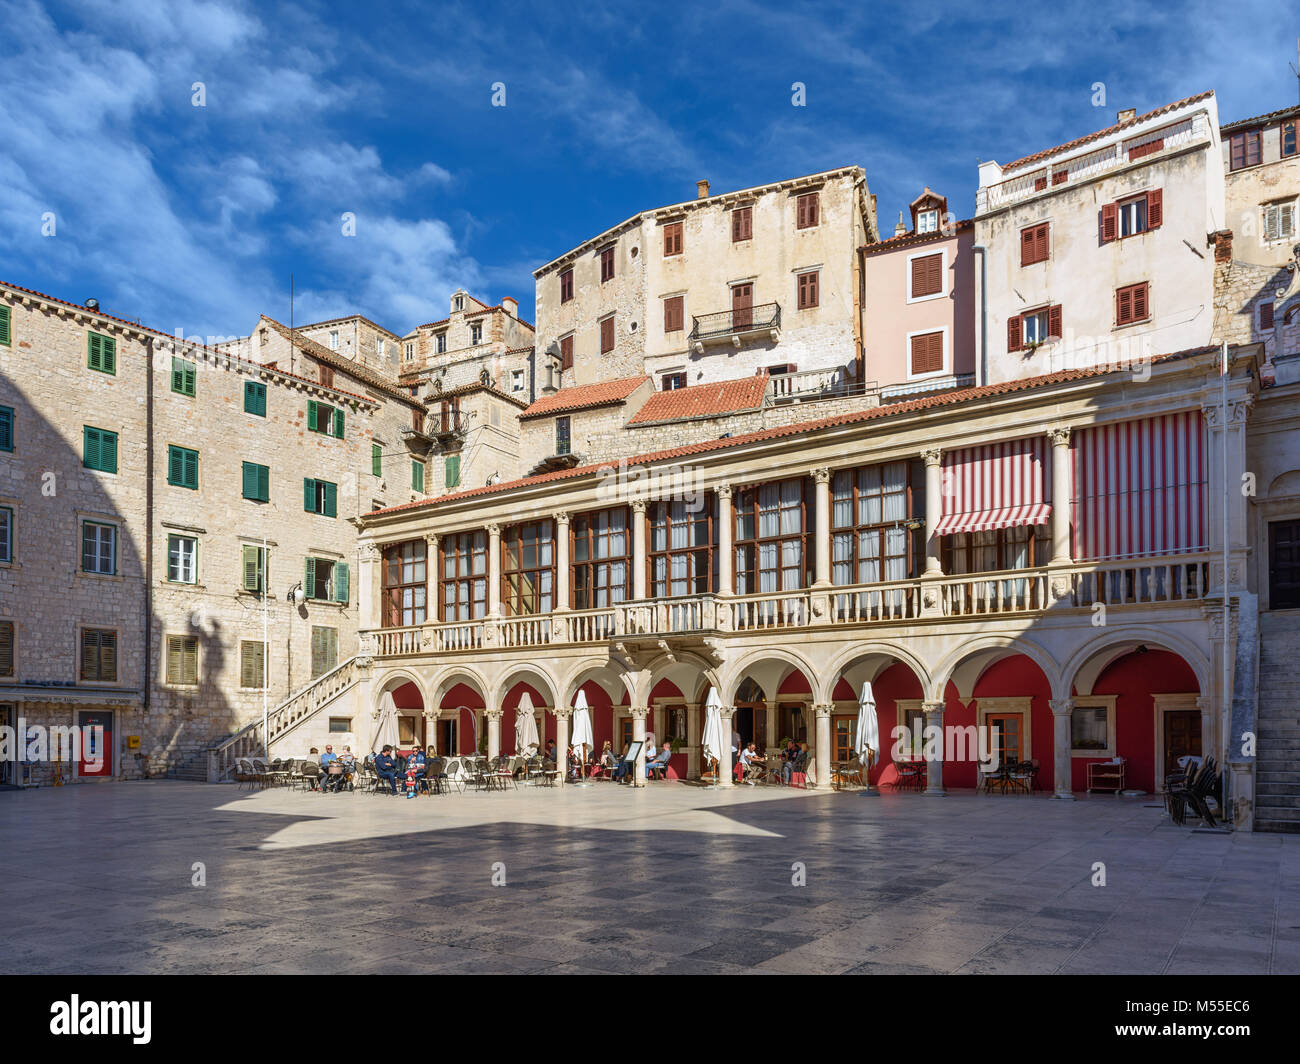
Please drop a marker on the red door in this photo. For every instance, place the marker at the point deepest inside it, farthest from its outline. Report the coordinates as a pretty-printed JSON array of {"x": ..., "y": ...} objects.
[
  {"x": 96, "y": 742},
  {"x": 742, "y": 306}
]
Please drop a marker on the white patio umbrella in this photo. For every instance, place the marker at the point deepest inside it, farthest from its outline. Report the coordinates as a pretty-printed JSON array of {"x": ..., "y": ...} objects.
[
  {"x": 714, "y": 739},
  {"x": 868, "y": 742},
  {"x": 526, "y": 741},
  {"x": 386, "y": 726},
  {"x": 582, "y": 736}
]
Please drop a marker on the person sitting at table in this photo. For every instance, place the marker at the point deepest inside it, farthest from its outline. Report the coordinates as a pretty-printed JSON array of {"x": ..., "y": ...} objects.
[
  {"x": 550, "y": 752},
  {"x": 659, "y": 761},
  {"x": 608, "y": 762},
  {"x": 623, "y": 767},
  {"x": 650, "y": 751},
  {"x": 752, "y": 761},
  {"x": 386, "y": 767},
  {"x": 415, "y": 770}
]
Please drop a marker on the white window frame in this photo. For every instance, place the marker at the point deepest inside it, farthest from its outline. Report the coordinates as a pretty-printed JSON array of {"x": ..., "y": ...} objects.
[
  {"x": 81, "y": 547},
  {"x": 1122, "y": 208},
  {"x": 1045, "y": 314},
  {"x": 944, "y": 289},
  {"x": 1106, "y": 702},
  {"x": 193, "y": 559},
  {"x": 517, "y": 380},
  {"x": 1281, "y": 207},
  {"x": 440, "y": 342},
  {"x": 932, "y": 214},
  {"x": 7, "y": 524},
  {"x": 334, "y": 339},
  {"x": 475, "y": 333},
  {"x": 408, "y": 351},
  {"x": 947, "y": 354},
  {"x": 379, "y": 347}
]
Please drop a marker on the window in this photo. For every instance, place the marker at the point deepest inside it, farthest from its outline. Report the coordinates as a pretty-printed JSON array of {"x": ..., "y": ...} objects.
[
  {"x": 1243, "y": 149},
  {"x": 927, "y": 222},
  {"x": 1265, "y": 316},
  {"x": 672, "y": 239},
  {"x": 672, "y": 381},
  {"x": 1040, "y": 183},
  {"x": 6, "y": 648},
  {"x": 182, "y": 556},
  {"x": 771, "y": 535},
  {"x": 926, "y": 354},
  {"x": 476, "y": 333},
  {"x": 606, "y": 263},
  {"x": 995, "y": 550},
  {"x": 376, "y": 460},
  {"x": 98, "y": 548},
  {"x": 681, "y": 548},
  {"x": 184, "y": 376},
  {"x": 6, "y": 534},
  {"x": 252, "y": 664},
  {"x": 323, "y": 418},
  {"x": 6, "y": 327},
  {"x": 517, "y": 380},
  {"x": 6, "y": 428},
  {"x": 449, "y": 414},
  {"x": 1132, "y": 216},
  {"x": 255, "y": 569},
  {"x": 326, "y": 581},
  {"x": 566, "y": 285},
  {"x": 1279, "y": 221},
  {"x": 602, "y": 558},
  {"x": 255, "y": 398},
  {"x": 101, "y": 353},
  {"x": 566, "y": 353},
  {"x": 408, "y": 351},
  {"x": 451, "y": 472},
  {"x": 379, "y": 347},
  {"x": 257, "y": 482},
  {"x": 1060, "y": 177},
  {"x": 674, "y": 314},
  {"x": 99, "y": 655},
  {"x": 182, "y": 467},
  {"x": 528, "y": 568},
  {"x": 320, "y": 497},
  {"x": 464, "y": 576},
  {"x": 806, "y": 211},
  {"x": 1149, "y": 148},
  {"x": 870, "y": 509},
  {"x": 1132, "y": 304},
  {"x": 340, "y": 724},
  {"x": 417, "y": 475},
  {"x": 183, "y": 660},
  {"x": 1026, "y": 331},
  {"x": 1092, "y": 727},
  {"x": 607, "y": 335},
  {"x": 1288, "y": 136},
  {"x": 458, "y": 303},
  {"x": 1034, "y": 243},
  {"x": 563, "y": 441},
  {"x": 334, "y": 339},
  {"x": 808, "y": 290},
  {"x": 925, "y": 276},
  {"x": 405, "y": 585},
  {"x": 99, "y": 449},
  {"x": 742, "y": 224},
  {"x": 265, "y": 336},
  {"x": 324, "y": 650},
  {"x": 326, "y": 376}
]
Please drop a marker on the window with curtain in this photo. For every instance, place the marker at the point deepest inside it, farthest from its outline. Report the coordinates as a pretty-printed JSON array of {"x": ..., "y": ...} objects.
[
  {"x": 464, "y": 576},
  {"x": 870, "y": 541},
  {"x": 601, "y": 558},
  {"x": 996, "y": 549},
  {"x": 681, "y": 549},
  {"x": 528, "y": 568},
  {"x": 405, "y": 584},
  {"x": 772, "y": 530}
]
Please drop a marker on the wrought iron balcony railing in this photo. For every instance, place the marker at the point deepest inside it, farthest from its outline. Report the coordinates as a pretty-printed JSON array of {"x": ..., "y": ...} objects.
[{"x": 736, "y": 322}]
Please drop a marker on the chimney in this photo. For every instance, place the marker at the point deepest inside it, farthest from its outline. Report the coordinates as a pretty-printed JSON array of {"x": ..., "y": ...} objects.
[
  {"x": 900, "y": 228},
  {"x": 1127, "y": 116},
  {"x": 510, "y": 305},
  {"x": 701, "y": 190}
]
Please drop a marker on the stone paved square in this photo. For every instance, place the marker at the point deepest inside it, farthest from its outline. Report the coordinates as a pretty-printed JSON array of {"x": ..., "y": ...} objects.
[{"x": 667, "y": 879}]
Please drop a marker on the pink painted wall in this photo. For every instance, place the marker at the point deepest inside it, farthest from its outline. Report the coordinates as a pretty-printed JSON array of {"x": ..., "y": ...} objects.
[
  {"x": 509, "y": 705},
  {"x": 464, "y": 695},
  {"x": 894, "y": 683},
  {"x": 794, "y": 684}
]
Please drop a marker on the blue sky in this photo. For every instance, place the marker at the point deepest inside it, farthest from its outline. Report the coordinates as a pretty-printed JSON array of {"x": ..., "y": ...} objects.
[{"x": 193, "y": 218}]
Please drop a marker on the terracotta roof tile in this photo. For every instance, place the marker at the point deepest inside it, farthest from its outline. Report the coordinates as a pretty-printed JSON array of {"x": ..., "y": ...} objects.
[
  {"x": 1261, "y": 120},
  {"x": 910, "y": 238},
  {"x": 584, "y": 396},
  {"x": 343, "y": 365},
  {"x": 703, "y": 400}
]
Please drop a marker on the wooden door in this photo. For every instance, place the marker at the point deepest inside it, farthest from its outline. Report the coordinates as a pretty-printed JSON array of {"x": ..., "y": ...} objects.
[
  {"x": 624, "y": 734},
  {"x": 96, "y": 743},
  {"x": 742, "y": 306},
  {"x": 1284, "y": 565},
  {"x": 1010, "y": 730},
  {"x": 843, "y": 732},
  {"x": 1182, "y": 737}
]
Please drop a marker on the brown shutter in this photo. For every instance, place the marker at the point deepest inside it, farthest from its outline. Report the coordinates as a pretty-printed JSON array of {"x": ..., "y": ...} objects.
[
  {"x": 1027, "y": 245},
  {"x": 6, "y": 648},
  {"x": 927, "y": 353},
  {"x": 1155, "y": 208},
  {"x": 1040, "y": 183},
  {"x": 1139, "y": 301},
  {"x": 1043, "y": 243},
  {"x": 927, "y": 275},
  {"x": 1123, "y": 306},
  {"x": 566, "y": 353},
  {"x": 1266, "y": 315},
  {"x": 1054, "y": 321},
  {"x": 674, "y": 314},
  {"x": 607, "y": 335},
  {"x": 1109, "y": 222},
  {"x": 1013, "y": 333},
  {"x": 1060, "y": 176}
]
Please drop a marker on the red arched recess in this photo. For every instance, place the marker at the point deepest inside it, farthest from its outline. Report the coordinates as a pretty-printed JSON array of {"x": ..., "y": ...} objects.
[
  {"x": 408, "y": 697},
  {"x": 794, "y": 684},
  {"x": 895, "y": 682},
  {"x": 1133, "y": 679},
  {"x": 466, "y": 696},
  {"x": 667, "y": 693},
  {"x": 509, "y": 705},
  {"x": 602, "y": 714},
  {"x": 1013, "y": 677}
]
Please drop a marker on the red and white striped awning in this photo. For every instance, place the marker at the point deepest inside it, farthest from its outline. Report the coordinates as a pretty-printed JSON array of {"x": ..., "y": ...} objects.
[{"x": 1001, "y": 485}]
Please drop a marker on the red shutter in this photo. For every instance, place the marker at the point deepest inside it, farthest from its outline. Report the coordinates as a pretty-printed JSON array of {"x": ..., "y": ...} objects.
[
  {"x": 566, "y": 353},
  {"x": 1040, "y": 183},
  {"x": 607, "y": 336},
  {"x": 1027, "y": 244},
  {"x": 927, "y": 353},
  {"x": 1139, "y": 302},
  {"x": 1109, "y": 222},
  {"x": 1054, "y": 321},
  {"x": 1013, "y": 333},
  {"x": 1123, "y": 306},
  {"x": 1060, "y": 176},
  {"x": 1043, "y": 245},
  {"x": 1266, "y": 315},
  {"x": 927, "y": 275},
  {"x": 1155, "y": 208}
]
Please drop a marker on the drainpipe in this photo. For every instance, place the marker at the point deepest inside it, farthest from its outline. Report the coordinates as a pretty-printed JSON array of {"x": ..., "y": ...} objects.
[
  {"x": 983, "y": 367},
  {"x": 148, "y": 528}
]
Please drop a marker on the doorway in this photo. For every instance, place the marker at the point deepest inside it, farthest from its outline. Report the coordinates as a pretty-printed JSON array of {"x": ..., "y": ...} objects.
[
  {"x": 96, "y": 743},
  {"x": 1182, "y": 737},
  {"x": 1009, "y": 737},
  {"x": 447, "y": 738},
  {"x": 1284, "y": 565},
  {"x": 843, "y": 732},
  {"x": 7, "y": 766},
  {"x": 742, "y": 306}
]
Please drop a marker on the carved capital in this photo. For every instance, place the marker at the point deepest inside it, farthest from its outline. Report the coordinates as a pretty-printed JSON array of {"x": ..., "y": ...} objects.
[
  {"x": 431, "y": 714},
  {"x": 493, "y": 714},
  {"x": 369, "y": 552},
  {"x": 494, "y": 529},
  {"x": 823, "y": 710},
  {"x": 638, "y": 507},
  {"x": 1061, "y": 707},
  {"x": 725, "y": 491},
  {"x": 1059, "y": 435},
  {"x": 932, "y": 455},
  {"x": 933, "y": 711},
  {"x": 562, "y": 712},
  {"x": 561, "y": 517},
  {"x": 821, "y": 475},
  {"x": 639, "y": 712}
]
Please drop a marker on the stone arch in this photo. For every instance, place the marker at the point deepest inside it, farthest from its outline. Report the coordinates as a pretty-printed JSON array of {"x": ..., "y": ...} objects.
[
  {"x": 610, "y": 675},
  {"x": 733, "y": 676},
  {"x": 524, "y": 672},
  {"x": 1087, "y": 664},
  {"x": 452, "y": 675},
  {"x": 862, "y": 653},
  {"x": 690, "y": 673},
  {"x": 964, "y": 666},
  {"x": 392, "y": 680}
]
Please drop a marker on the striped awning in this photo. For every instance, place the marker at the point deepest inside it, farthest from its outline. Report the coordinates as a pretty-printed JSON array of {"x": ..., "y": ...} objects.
[{"x": 1001, "y": 485}]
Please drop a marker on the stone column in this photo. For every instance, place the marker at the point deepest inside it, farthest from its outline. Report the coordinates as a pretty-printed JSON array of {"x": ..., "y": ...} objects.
[
  {"x": 934, "y": 768},
  {"x": 772, "y": 717},
  {"x": 694, "y": 732},
  {"x": 494, "y": 570},
  {"x": 822, "y": 527},
  {"x": 1208, "y": 731},
  {"x": 933, "y": 509},
  {"x": 1062, "y": 763},
  {"x": 724, "y": 762},
  {"x": 433, "y": 574},
  {"x": 431, "y": 728},
  {"x": 494, "y": 732},
  {"x": 638, "y": 549},
  {"x": 370, "y": 588},
  {"x": 823, "y": 751},
  {"x": 726, "y": 563},
  {"x": 1060, "y": 438},
  {"x": 562, "y": 561},
  {"x": 638, "y": 732},
  {"x": 562, "y": 715}
]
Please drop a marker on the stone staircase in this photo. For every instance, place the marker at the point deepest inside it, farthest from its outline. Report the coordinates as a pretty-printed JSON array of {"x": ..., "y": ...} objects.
[{"x": 1277, "y": 768}]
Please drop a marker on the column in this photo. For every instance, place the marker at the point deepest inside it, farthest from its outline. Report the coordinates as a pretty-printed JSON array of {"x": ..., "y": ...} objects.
[
  {"x": 638, "y": 549},
  {"x": 370, "y": 587},
  {"x": 494, "y": 570},
  {"x": 822, "y": 528},
  {"x": 1209, "y": 745},
  {"x": 431, "y": 728},
  {"x": 494, "y": 732},
  {"x": 638, "y": 732},
  {"x": 725, "y": 519},
  {"x": 933, "y": 509},
  {"x": 562, "y": 715},
  {"x": 823, "y": 751},
  {"x": 1060, "y": 438},
  {"x": 1062, "y": 764},
  {"x": 694, "y": 733},
  {"x": 724, "y": 762},
  {"x": 562, "y": 561},
  {"x": 772, "y": 717},
  {"x": 934, "y": 768}
]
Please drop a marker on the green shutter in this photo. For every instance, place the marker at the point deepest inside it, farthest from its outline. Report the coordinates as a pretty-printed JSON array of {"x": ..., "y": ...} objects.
[
  {"x": 311, "y": 416},
  {"x": 336, "y": 428},
  {"x": 257, "y": 482},
  {"x": 264, "y": 483},
  {"x": 182, "y": 467},
  {"x": 101, "y": 353},
  {"x": 309, "y": 578},
  {"x": 309, "y": 495},
  {"x": 255, "y": 398},
  {"x": 376, "y": 460},
  {"x": 331, "y": 499},
  {"x": 99, "y": 449},
  {"x": 250, "y": 481},
  {"x": 254, "y": 566},
  {"x": 453, "y": 471},
  {"x": 417, "y": 475},
  {"x": 192, "y": 469},
  {"x": 341, "y": 582},
  {"x": 175, "y": 466},
  {"x": 6, "y": 332},
  {"x": 184, "y": 377},
  {"x": 90, "y": 447},
  {"x": 6, "y": 428}
]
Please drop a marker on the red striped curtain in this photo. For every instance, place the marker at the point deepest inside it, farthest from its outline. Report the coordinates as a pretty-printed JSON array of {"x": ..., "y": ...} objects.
[
  {"x": 1139, "y": 488},
  {"x": 1000, "y": 485}
]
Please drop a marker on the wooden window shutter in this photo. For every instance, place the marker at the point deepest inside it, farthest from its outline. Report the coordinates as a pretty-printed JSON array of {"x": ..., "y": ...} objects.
[
  {"x": 927, "y": 275},
  {"x": 341, "y": 582},
  {"x": 90, "y": 449},
  {"x": 336, "y": 426},
  {"x": 1123, "y": 306},
  {"x": 673, "y": 238},
  {"x": 312, "y": 417},
  {"x": 1237, "y": 152},
  {"x": 1013, "y": 333},
  {"x": 309, "y": 577},
  {"x": 252, "y": 567},
  {"x": 6, "y": 648},
  {"x": 6, "y": 429},
  {"x": 1054, "y": 321},
  {"x": 1040, "y": 183},
  {"x": 1109, "y": 222},
  {"x": 108, "y": 655},
  {"x": 927, "y": 353},
  {"x": 674, "y": 314},
  {"x": 1042, "y": 243},
  {"x": 1266, "y": 315},
  {"x": 566, "y": 353},
  {"x": 89, "y": 654},
  {"x": 1140, "y": 301},
  {"x": 1155, "y": 208},
  {"x": 1060, "y": 177},
  {"x": 376, "y": 460},
  {"x": 331, "y": 499},
  {"x": 6, "y": 329},
  {"x": 607, "y": 335},
  {"x": 309, "y": 494},
  {"x": 252, "y": 665},
  {"x": 1027, "y": 246},
  {"x": 451, "y": 472}
]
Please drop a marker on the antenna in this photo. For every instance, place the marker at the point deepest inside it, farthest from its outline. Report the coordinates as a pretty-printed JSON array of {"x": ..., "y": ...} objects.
[
  {"x": 1295, "y": 67},
  {"x": 292, "y": 345}
]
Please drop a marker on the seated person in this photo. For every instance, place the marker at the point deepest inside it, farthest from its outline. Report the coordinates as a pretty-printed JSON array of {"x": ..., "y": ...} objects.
[
  {"x": 415, "y": 766},
  {"x": 386, "y": 767},
  {"x": 752, "y": 762},
  {"x": 607, "y": 761},
  {"x": 659, "y": 762},
  {"x": 624, "y": 766}
]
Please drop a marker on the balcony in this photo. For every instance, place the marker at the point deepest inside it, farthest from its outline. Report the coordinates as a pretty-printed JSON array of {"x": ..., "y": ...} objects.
[
  {"x": 789, "y": 388},
  {"x": 736, "y": 325},
  {"x": 703, "y": 618}
]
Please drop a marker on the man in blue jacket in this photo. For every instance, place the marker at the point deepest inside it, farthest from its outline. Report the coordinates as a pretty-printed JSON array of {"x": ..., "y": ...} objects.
[{"x": 386, "y": 767}]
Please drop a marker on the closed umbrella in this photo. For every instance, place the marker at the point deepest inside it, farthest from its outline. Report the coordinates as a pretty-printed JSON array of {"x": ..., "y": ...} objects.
[
  {"x": 526, "y": 741},
  {"x": 868, "y": 732},
  {"x": 386, "y": 726},
  {"x": 582, "y": 736},
  {"x": 714, "y": 739}
]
